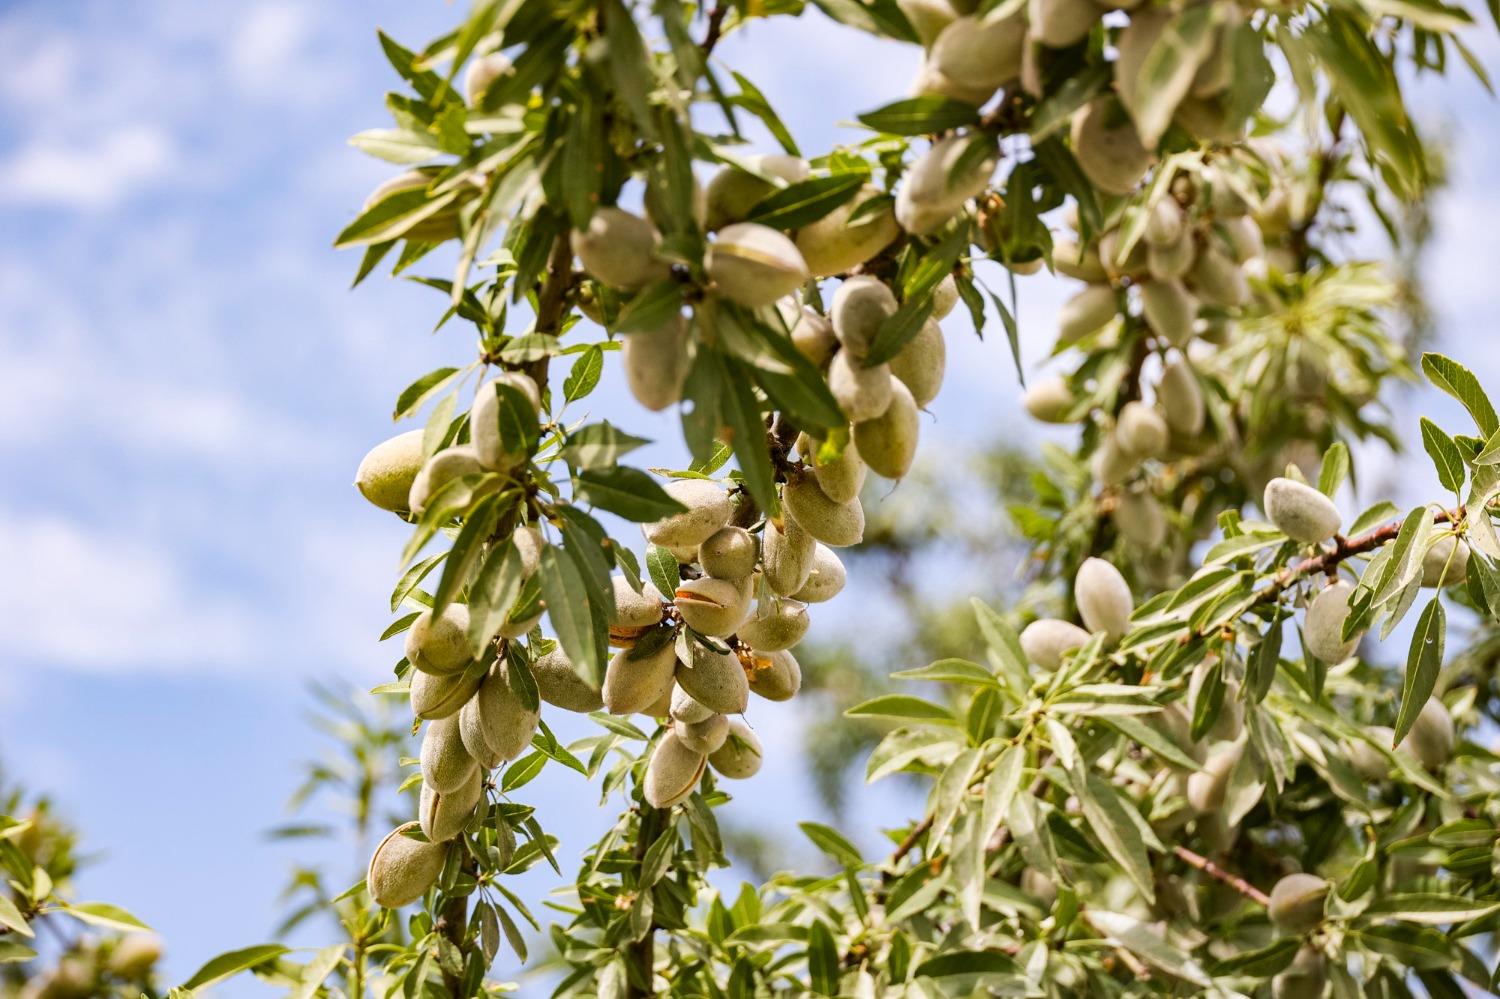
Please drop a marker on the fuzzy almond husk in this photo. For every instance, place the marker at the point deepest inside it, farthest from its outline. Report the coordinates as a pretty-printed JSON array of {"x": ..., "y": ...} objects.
[
  {"x": 1046, "y": 640},
  {"x": 1103, "y": 598},
  {"x": 740, "y": 756},
  {"x": 440, "y": 644},
  {"x": 835, "y": 524},
  {"x": 444, "y": 815},
  {"x": 713, "y": 607},
  {"x": 402, "y": 868},
  {"x": 776, "y": 676},
  {"x": 559, "y": 684},
  {"x": 714, "y": 679},
  {"x": 446, "y": 764},
  {"x": 636, "y": 679},
  {"x": 434, "y": 696},
  {"x": 708, "y": 509},
  {"x": 385, "y": 474},
  {"x": 786, "y": 555},
  {"x": 888, "y": 443},
  {"x": 775, "y": 625},
  {"x": 673, "y": 772},
  {"x": 827, "y": 578}
]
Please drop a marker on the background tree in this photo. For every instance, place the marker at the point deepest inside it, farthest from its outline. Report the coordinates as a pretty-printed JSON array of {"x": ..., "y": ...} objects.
[
  {"x": 1175, "y": 796},
  {"x": 53, "y": 946}
]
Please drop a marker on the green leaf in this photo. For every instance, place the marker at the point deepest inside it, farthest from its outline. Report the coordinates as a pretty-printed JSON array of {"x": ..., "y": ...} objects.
[
  {"x": 662, "y": 567},
  {"x": 651, "y": 308},
  {"x": 396, "y": 145},
  {"x": 1056, "y": 109},
  {"x": 916, "y": 304},
  {"x": 1138, "y": 938},
  {"x": 568, "y": 600},
  {"x": 392, "y": 217},
  {"x": 1335, "y": 468},
  {"x": 920, "y": 116},
  {"x": 1264, "y": 660},
  {"x": 1168, "y": 69},
  {"x": 493, "y": 593},
  {"x": 822, "y": 960},
  {"x": 523, "y": 771},
  {"x": 1423, "y": 661},
  {"x": 628, "y": 492},
  {"x": 1446, "y": 457},
  {"x": 584, "y": 374},
  {"x": 903, "y": 746},
  {"x": 805, "y": 201},
  {"x": 599, "y": 444},
  {"x": 748, "y": 439},
  {"x": 11, "y": 916},
  {"x": 1364, "y": 81},
  {"x": 949, "y": 791},
  {"x": 15, "y": 952},
  {"x": 418, "y": 392},
  {"x": 578, "y": 160},
  {"x": 1413, "y": 946},
  {"x": 833, "y": 843},
  {"x": 879, "y": 17},
  {"x": 316, "y": 972},
  {"x": 901, "y": 706},
  {"x": 950, "y": 671},
  {"x": 1433, "y": 908},
  {"x": 1263, "y": 962},
  {"x": 969, "y": 964},
  {"x": 1154, "y": 739},
  {"x": 751, "y": 99},
  {"x": 1003, "y": 645},
  {"x": 232, "y": 963},
  {"x": 466, "y": 551},
  {"x": 111, "y": 917},
  {"x": 1104, "y": 808},
  {"x": 629, "y": 64}
]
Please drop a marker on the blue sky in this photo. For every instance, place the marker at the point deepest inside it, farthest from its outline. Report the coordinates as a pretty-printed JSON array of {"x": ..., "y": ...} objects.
[{"x": 186, "y": 385}]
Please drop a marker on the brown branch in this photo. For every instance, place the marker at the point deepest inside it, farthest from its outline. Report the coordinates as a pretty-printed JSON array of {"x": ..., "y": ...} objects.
[
  {"x": 452, "y": 922},
  {"x": 1345, "y": 548},
  {"x": 1234, "y": 881},
  {"x": 641, "y": 955},
  {"x": 715, "y": 28}
]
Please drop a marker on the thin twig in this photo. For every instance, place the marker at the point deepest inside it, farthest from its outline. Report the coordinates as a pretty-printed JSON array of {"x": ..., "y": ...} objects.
[
  {"x": 715, "y": 28},
  {"x": 1212, "y": 869}
]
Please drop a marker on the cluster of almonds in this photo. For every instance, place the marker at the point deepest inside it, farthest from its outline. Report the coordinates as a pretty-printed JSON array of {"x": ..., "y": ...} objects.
[
  {"x": 970, "y": 56},
  {"x": 1297, "y": 901},
  {"x": 1180, "y": 280},
  {"x": 755, "y": 266},
  {"x": 743, "y": 596},
  {"x": 1304, "y": 514}
]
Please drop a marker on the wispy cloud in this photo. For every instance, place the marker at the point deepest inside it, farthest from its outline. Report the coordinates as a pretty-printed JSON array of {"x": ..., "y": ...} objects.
[
  {"x": 268, "y": 48},
  {"x": 89, "y": 172},
  {"x": 84, "y": 599}
]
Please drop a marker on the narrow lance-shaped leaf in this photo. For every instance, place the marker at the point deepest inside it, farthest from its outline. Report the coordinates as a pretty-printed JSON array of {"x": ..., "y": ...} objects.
[{"x": 1423, "y": 661}]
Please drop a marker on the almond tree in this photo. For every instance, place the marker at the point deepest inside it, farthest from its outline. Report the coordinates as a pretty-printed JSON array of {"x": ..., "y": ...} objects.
[{"x": 1179, "y": 765}]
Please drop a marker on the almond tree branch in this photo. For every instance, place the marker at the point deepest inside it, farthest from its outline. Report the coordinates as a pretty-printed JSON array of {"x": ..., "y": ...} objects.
[{"x": 1234, "y": 881}]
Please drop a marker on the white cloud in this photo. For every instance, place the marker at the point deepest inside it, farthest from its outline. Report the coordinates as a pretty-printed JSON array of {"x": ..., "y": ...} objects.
[
  {"x": 36, "y": 71},
  {"x": 52, "y": 398},
  {"x": 91, "y": 174},
  {"x": 268, "y": 45},
  {"x": 92, "y": 601}
]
